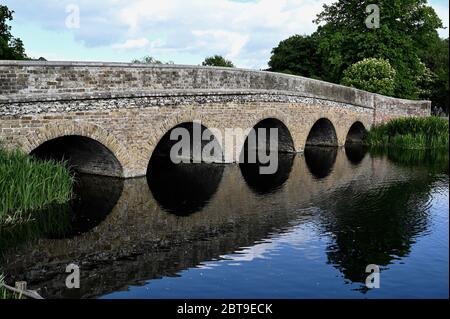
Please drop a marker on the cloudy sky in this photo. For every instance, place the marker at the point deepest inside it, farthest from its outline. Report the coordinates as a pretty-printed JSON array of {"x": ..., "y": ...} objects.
[{"x": 182, "y": 31}]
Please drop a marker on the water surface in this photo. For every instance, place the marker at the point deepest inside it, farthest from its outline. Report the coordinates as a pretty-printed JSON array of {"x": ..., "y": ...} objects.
[{"x": 224, "y": 231}]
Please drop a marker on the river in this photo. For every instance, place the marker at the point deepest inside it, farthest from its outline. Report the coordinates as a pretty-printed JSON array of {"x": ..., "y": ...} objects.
[{"x": 224, "y": 231}]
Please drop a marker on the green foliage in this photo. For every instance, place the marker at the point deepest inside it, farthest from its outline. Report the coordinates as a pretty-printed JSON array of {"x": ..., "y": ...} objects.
[
  {"x": 149, "y": 60},
  {"x": 373, "y": 75},
  {"x": 435, "y": 55},
  {"x": 411, "y": 133},
  {"x": 404, "y": 37},
  {"x": 217, "y": 60},
  {"x": 10, "y": 48},
  {"x": 297, "y": 55},
  {"x": 28, "y": 184},
  {"x": 345, "y": 39}
]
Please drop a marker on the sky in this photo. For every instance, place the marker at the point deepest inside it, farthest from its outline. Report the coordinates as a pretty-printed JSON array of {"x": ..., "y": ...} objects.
[{"x": 182, "y": 31}]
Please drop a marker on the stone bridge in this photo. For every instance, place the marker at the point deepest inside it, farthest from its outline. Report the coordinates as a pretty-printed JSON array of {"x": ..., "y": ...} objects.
[{"x": 110, "y": 118}]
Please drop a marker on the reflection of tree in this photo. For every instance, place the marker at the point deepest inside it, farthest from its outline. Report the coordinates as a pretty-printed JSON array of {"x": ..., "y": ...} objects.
[
  {"x": 435, "y": 160},
  {"x": 377, "y": 226}
]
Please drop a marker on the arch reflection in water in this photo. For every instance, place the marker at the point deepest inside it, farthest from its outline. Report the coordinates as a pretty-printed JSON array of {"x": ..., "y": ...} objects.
[
  {"x": 94, "y": 198},
  {"x": 355, "y": 152},
  {"x": 320, "y": 160},
  {"x": 183, "y": 189},
  {"x": 263, "y": 184}
]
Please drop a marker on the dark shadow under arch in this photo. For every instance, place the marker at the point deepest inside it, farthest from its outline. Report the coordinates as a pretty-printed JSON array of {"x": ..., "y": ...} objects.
[
  {"x": 83, "y": 154},
  {"x": 322, "y": 133},
  {"x": 262, "y": 129},
  {"x": 184, "y": 188},
  {"x": 356, "y": 133}
]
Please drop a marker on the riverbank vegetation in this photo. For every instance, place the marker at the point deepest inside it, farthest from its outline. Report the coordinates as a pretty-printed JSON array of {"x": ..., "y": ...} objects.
[
  {"x": 411, "y": 133},
  {"x": 28, "y": 185}
]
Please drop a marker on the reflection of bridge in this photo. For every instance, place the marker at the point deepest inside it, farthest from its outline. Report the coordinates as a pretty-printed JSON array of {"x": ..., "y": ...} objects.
[
  {"x": 108, "y": 118},
  {"x": 138, "y": 240}
]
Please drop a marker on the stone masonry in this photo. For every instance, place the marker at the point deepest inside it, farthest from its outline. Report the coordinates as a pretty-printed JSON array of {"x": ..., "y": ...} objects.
[{"x": 127, "y": 108}]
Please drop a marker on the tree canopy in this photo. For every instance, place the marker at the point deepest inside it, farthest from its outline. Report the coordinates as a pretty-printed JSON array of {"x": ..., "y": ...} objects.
[
  {"x": 373, "y": 75},
  {"x": 11, "y": 48},
  {"x": 149, "y": 60},
  {"x": 217, "y": 60},
  {"x": 406, "y": 37}
]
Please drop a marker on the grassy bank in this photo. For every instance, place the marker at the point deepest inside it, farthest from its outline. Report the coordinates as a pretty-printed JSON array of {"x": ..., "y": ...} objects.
[
  {"x": 28, "y": 184},
  {"x": 410, "y": 133}
]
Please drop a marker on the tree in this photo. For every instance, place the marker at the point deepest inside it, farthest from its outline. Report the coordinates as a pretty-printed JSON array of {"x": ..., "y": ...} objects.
[
  {"x": 435, "y": 55},
  {"x": 405, "y": 25},
  {"x": 373, "y": 75},
  {"x": 149, "y": 60},
  {"x": 217, "y": 60},
  {"x": 297, "y": 55},
  {"x": 10, "y": 48}
]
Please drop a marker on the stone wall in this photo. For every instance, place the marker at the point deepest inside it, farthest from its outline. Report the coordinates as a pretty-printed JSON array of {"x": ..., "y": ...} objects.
[{"x": 129, "y": 107}]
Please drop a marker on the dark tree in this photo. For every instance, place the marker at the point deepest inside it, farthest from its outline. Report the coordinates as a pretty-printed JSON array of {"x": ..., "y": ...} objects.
[
  {"x": 10, "y": 48},
  {"x": 297, "y": 55},
  {"x": 217, "y": 60}
]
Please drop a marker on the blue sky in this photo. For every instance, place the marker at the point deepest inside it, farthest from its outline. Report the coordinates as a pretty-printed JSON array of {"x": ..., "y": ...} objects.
[{"x": 182, "y": 31}]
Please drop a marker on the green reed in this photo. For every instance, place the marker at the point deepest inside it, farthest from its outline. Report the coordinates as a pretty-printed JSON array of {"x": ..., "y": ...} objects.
[
  {"x": 411, "y": 133},
  {"x": 28, "y": 184}
]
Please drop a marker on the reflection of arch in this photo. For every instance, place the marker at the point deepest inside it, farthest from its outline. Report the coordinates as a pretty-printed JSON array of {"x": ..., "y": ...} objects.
[
  {"x": 355, "y": 152},
  {"x": 183, "y": 189},
  {"x": 94, "y": 198},
  {"x": 91, "y": 137},
  {"x": 356, "y": 133},
  {"x": 320, "y": 160},
  {"x": 322, "y": 133},
  {"x": 263, "y": 184}
]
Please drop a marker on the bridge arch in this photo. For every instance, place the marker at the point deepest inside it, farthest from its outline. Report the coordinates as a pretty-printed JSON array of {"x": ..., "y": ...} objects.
[
  {"x": 286, "y": 143},
  {"x": 356, "y": 133},
  {"x": 322, "y": 133},
  {"x": 167, "y": 125},
  {"x": 103, "y": 153}
]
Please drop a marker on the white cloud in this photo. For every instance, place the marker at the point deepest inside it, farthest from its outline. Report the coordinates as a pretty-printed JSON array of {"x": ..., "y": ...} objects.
[
  {"x": 245, "y": 32},
  {"x": 132, "y": 44}
]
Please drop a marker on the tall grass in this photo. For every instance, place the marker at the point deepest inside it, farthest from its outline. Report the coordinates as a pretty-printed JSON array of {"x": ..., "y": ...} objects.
[
  {"x": 411, "y": 133},
  {"x": 5, "y": 293},
  {"x": 28, "y": 184}
]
